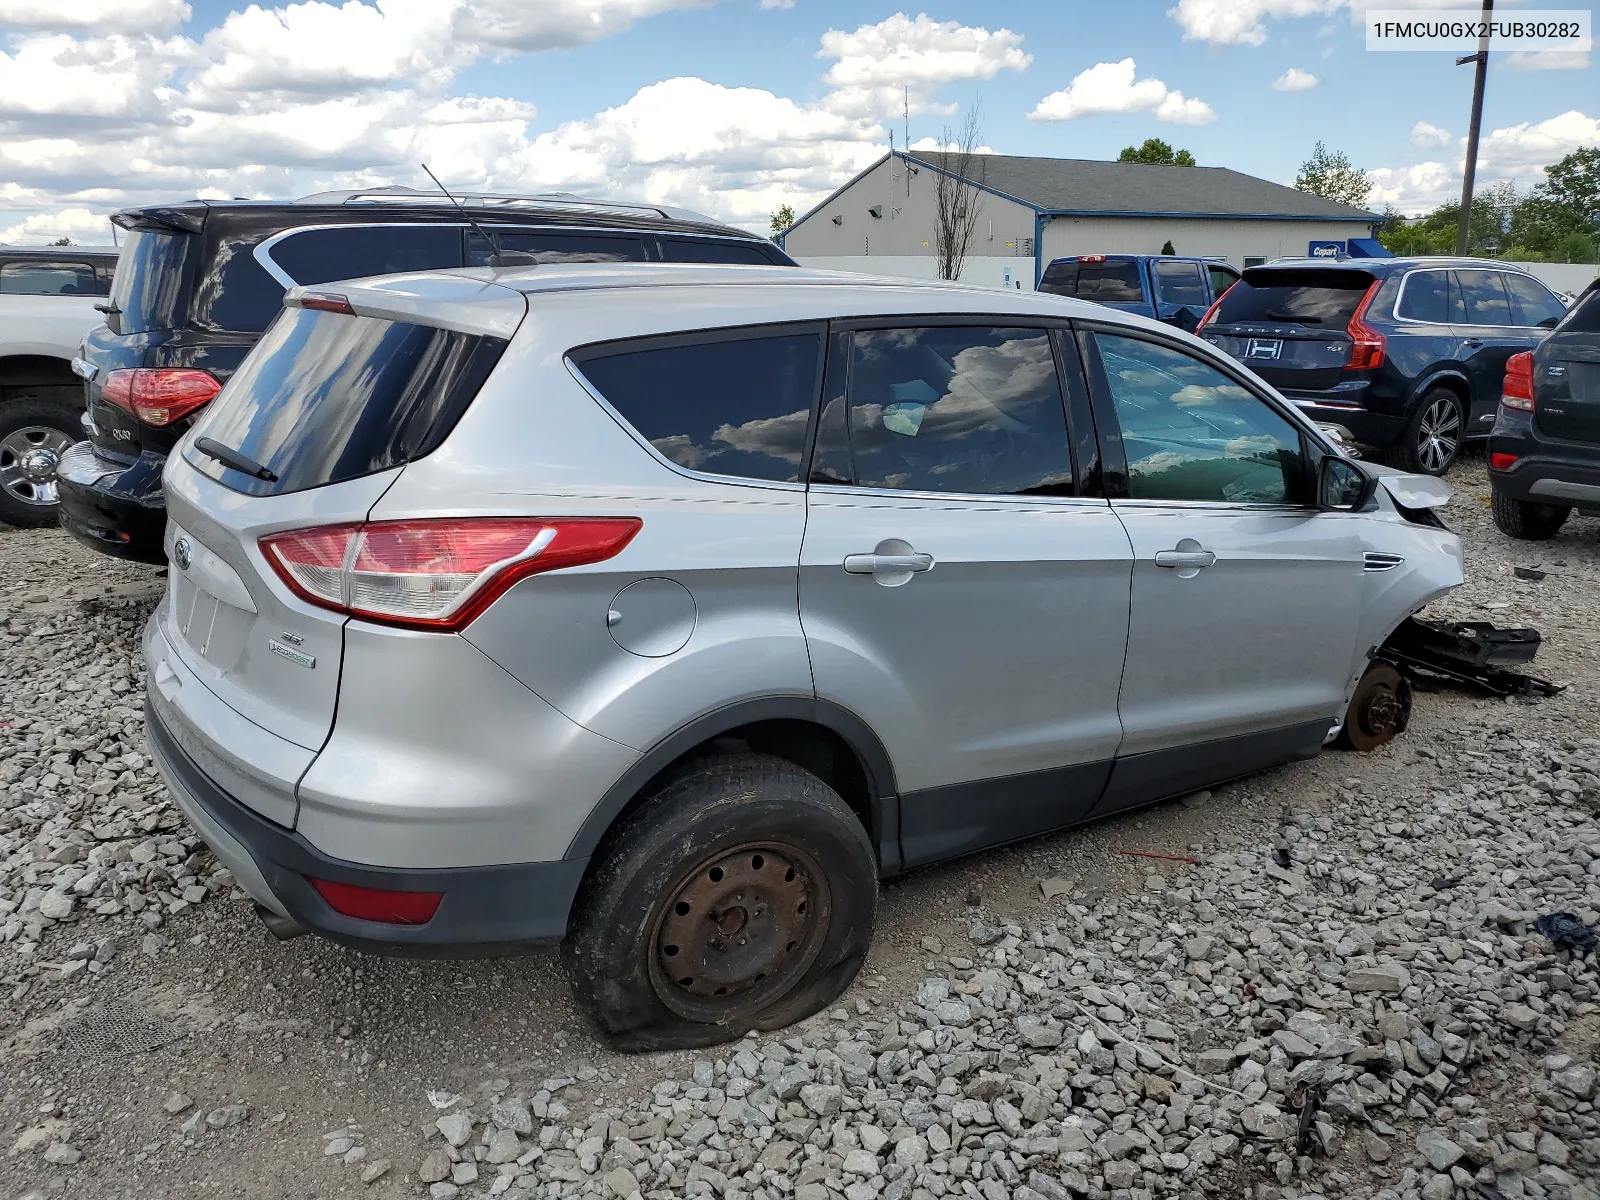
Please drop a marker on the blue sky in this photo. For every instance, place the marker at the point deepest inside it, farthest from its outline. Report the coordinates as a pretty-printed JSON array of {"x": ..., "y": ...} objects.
[{"x": 728, "y": 107}]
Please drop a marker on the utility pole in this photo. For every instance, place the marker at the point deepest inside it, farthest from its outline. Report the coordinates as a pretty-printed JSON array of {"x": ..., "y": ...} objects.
[{"x": 1470, "y": 168}]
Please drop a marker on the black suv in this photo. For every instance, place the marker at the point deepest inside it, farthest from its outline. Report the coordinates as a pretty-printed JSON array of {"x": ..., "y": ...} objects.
[
  {"x": 198, "y": 283},
  {"x": 1402, "y": 354},
  {"x": 1544, "y": 449}
]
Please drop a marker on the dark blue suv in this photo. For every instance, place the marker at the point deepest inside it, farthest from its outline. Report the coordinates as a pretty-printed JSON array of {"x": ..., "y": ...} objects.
[{"x": 1402, "y": 354}]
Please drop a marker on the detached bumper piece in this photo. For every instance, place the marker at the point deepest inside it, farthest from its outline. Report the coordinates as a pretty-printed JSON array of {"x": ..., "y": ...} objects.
[{"x": 1470, "y": 652}]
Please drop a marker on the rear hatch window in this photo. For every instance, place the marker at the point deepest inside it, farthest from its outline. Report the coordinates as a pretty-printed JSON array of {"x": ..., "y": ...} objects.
[
  {"x": 1311, "y": 299},
  {"x": 325, "y": 397},
  {"x": 147, "y": 291},
  {"x": 1102, "y": 282},
  {"x": 1289, "y": 327}
]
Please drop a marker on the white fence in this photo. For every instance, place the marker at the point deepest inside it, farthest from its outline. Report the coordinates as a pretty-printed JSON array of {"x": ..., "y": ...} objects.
[{"x": 1561, "y": 277}]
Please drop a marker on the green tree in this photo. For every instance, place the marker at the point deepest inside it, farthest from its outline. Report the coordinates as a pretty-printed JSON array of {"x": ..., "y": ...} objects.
[
  {"x": 1574, "y": 182},
  {"x": 1156, "y": 153},
  {"x": 1329, "y": 174},
  {"x": 1555, "y": 221},
  {"x": 62, "y": 241},
  {"x": 1166, "y": 247},
  {"x": 782, "y": 220}
]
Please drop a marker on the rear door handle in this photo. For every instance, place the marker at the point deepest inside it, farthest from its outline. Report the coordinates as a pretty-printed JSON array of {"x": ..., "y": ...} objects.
[
  {"x": 871, "y": 564},
  {"x": 1192, "y": 559}
]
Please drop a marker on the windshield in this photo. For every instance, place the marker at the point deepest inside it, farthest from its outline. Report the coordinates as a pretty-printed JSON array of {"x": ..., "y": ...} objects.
[
  {"x": 325, "y": 397},
  {"x": 1321, "y": 301},
  {"x": 150, "y": 280}
]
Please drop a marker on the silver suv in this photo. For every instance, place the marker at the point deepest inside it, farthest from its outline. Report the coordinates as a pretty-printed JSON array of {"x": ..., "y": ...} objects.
[{"x": 666, "y": 610}]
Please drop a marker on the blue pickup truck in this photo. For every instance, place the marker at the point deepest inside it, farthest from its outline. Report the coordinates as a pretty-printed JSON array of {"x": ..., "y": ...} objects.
[{"x": 1167, "y": 287}]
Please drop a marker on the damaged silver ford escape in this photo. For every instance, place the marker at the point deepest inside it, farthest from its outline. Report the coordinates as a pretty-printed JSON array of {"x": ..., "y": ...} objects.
[{"x": 666, "y": 611}]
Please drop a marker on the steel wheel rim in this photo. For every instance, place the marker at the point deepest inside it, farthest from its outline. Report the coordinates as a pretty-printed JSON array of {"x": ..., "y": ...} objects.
[
  {"x": 738, "y": 931},
  {"x": 28, "y": 460},
  {"x": 1439, "y": 434}
]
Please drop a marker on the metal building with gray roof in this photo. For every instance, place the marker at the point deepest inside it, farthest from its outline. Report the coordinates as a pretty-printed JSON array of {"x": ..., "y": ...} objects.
[{"x": 1034, "y": 210}]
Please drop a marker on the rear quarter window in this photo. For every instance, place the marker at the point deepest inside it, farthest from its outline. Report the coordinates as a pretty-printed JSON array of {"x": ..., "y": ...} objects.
[
  {"x": 730, "y": 404},
  {"x": 1107, "y": 282},
  {"x": 711, "y": 250},
  {"x": 557, "y": 247},
  {"x": 324, "y": 397}
]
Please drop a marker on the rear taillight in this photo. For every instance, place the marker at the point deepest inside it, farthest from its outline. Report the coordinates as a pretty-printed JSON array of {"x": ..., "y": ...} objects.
[
  {"x": 1211, "y": 313},
  {"x": 1501, "y": 461},
  {"x": 1517, "y": 390},
  {"x": 159, "y": 396},
  {"x": 1366, "y": 343},
  {"x": 435, "y": 573},
  {"x": 378, "y": 904}
]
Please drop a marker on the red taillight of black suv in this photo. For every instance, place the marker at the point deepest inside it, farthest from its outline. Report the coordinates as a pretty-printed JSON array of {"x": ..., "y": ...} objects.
[
  {"x": 160, "y": 396},
  {"x": 1517, "y": 390},
  {"x": 1366, "y": 343}
]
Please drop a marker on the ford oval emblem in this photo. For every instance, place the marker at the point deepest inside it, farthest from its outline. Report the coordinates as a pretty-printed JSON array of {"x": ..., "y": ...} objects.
[{"x": 182, "y": 553}]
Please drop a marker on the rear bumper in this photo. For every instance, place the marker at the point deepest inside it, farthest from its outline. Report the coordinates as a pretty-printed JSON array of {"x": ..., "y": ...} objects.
[
  {"x": 114, "y": 508},
  {"x": 1364, "y": 426},
  {"x": 485, "y": 910},
  {"x": 1546, "y": 472}
]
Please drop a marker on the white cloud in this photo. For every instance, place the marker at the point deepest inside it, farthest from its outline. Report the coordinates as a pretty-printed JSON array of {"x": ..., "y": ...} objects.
[
  {"x": 1110, "y": 87},
  {"x": 1295, "y": 80},
  {"x": 1243, "y": 22},
  {"x": 1239, "y": 22},
  {"x": 108, "y": 79},
  {"x": 97, "y": 16},
  {"x": 1517, "y": 154},
  {"x": 1429, "y": 136},
  {"x": 777, "y": 3},
  {"x": 1547, "y": 60},
  {"x": 1413, "y": 190},
  {"x": 553, "y": 24},
  {"x": 1523, "y": 150},
  {"x": 79, "y": 224},
  {"x": 875, "y": 62}
]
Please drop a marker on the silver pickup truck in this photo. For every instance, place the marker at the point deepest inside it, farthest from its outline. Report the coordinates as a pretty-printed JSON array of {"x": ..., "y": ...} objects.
[{"x": 48, "y": 296}]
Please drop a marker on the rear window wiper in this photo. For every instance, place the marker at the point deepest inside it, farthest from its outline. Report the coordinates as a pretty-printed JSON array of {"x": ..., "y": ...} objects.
[{"x": 232, "y": 458}]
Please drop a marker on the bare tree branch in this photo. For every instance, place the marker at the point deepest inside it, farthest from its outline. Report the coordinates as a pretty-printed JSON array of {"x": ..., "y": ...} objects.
[{"x": 957, "y": 201}]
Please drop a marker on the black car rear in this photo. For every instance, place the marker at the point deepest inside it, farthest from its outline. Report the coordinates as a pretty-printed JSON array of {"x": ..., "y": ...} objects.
[
  {"x": 198, "y": 283},
  {"x": 1544, "y": 450},
  {"x": 1405, "y": 355}
]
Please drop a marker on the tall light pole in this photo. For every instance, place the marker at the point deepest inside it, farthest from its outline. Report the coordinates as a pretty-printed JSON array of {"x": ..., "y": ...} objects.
[{"x": 1464, "y": 222}]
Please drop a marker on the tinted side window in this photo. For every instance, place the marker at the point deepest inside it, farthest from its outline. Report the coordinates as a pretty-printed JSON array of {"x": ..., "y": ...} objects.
[
  {"x": 1221, "y": 279},
  {"x": 1105, "y": 282},
  {"x": 1426, "y": 297},
  {"x": 958, "y": 409},
  {"x": 729, "y": 406},
  {"x": 324, "y": 255},
  {"x": 1191, "y": 433},
  {"x": 1484, "y": 297},
  {"x": 709, "y": 250},
  {"x": 1180, "y": 283},
  {"x": 49, "y": 279},
  {"x": 1534, "y": 303},
  {"x": 558, "y": 247}
]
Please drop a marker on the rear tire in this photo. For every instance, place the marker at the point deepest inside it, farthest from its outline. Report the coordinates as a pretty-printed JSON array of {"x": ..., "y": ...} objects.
[
  {"x": 1527, "y": 521},
  {"x": 1433, "y": 433},
  {"x": 34, "y": 432},
  {"x": 739, "y": 896}
]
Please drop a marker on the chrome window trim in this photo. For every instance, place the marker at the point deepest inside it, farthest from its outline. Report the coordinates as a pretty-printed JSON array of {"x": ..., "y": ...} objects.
[
  {"x": 1219, "y": 506},
  {"x": 797, "y": 485},
  {"x": 263, "y": 250},
  {"x": 963, "y": 499}
]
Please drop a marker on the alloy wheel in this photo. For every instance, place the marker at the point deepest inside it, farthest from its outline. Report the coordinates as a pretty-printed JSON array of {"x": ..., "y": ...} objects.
[
  {"x": 28, "y": 459},
  {"x": 1439, "y": 434}
]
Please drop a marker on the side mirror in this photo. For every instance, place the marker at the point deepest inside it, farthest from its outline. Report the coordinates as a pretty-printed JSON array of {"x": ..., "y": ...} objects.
[{"x": 1342, "y": 486}]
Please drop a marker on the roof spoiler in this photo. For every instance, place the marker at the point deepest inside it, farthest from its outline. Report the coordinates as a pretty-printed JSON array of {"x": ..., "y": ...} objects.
[{"x": 169, "y": 220}]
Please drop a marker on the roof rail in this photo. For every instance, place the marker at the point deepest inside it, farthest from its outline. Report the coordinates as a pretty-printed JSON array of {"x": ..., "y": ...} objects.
[{"x": 398, "y": 193}]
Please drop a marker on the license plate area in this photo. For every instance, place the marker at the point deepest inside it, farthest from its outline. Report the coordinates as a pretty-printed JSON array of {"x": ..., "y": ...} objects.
[{"x": 1268, "y": 348}]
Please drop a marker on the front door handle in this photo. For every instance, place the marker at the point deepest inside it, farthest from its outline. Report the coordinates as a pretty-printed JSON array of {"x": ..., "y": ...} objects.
[
  {"x": 1188, "y": 558},
  {"x": 1473, "y": 343},
  {"x": 872, "y": 564}
]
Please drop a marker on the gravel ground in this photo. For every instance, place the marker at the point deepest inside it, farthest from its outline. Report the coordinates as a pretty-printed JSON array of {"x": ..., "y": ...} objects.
[{"x": 1342, "y": 994}]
